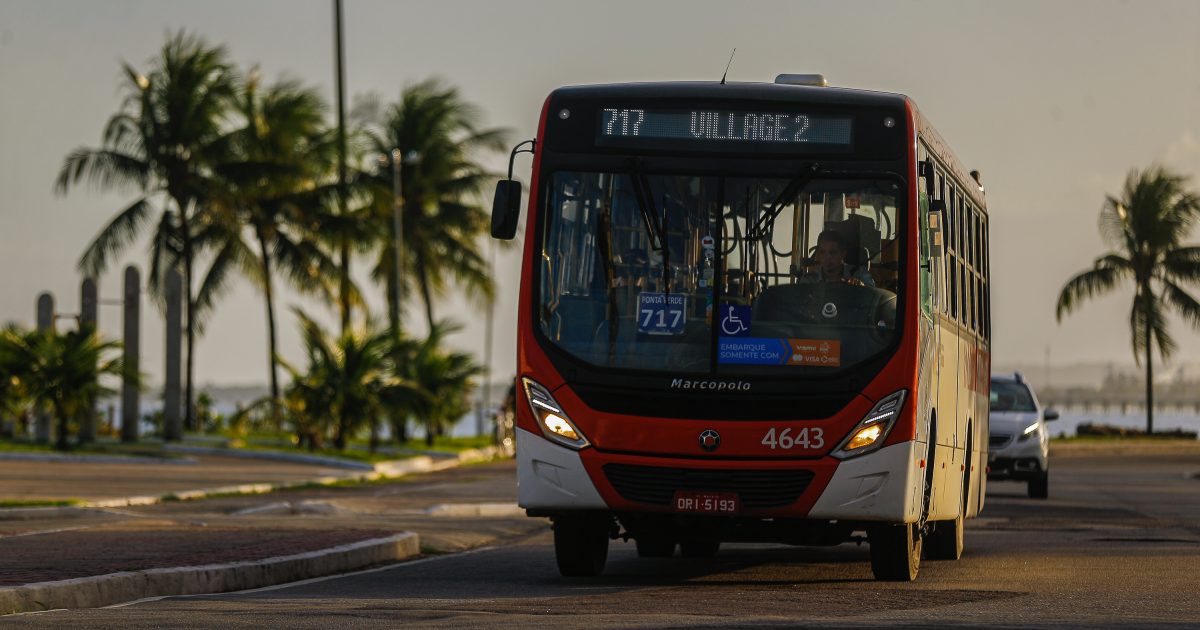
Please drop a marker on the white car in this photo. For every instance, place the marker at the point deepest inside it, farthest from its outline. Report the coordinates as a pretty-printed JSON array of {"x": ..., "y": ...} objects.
[{"x": 1019, "y": 445}]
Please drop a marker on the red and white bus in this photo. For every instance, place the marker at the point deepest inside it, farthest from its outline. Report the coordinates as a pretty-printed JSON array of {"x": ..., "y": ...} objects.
[{"x": 749, "y": 312}]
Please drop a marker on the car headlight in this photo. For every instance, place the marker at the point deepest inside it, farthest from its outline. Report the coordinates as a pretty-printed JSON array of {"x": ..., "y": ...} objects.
[
  {"x": 869, "y": 434},
  {"x": 551, "y": 418},
  {"x": 1030, "y": 431}
]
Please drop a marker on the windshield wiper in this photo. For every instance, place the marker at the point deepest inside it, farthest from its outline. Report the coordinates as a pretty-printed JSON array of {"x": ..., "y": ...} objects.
[
  {"x": 656, "y": 228},
  {"x": 789, "y": 192}
]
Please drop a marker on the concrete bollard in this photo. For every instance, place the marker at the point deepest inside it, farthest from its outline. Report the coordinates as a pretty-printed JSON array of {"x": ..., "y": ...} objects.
[
  {"x": 45, "y": 322},
  {"x": 88, "y": 302},
  {"x": 130, "y": 398}
]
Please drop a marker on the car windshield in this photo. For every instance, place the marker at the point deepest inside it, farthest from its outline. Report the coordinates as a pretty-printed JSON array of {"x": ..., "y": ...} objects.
[
  {"x": 727, "y": 275},
  {"x": 1011, "y": 396}
]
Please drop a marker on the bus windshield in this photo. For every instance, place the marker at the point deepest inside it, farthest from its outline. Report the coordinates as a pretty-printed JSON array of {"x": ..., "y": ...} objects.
[{"x": 720, "y": 275}]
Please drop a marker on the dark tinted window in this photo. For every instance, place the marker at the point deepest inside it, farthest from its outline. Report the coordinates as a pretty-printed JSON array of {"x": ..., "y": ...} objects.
[{"x": 1011, "y": 396}]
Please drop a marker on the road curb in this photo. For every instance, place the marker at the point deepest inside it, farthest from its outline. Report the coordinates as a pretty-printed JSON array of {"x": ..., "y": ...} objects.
[
  {"x": 115, "y": 588},
  {"x": 93, "y": 458}
]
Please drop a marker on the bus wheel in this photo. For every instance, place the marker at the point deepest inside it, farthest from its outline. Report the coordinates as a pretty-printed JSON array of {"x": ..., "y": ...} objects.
[
  {"x": 581, "y": 545},
  {"x": 699, "y": 548},
  {"x": 1039, "y": 486},
  {"x": 655, "y": 547},
  {"x": 895, "y": 552},
  {"x": 946, "y": 540}
]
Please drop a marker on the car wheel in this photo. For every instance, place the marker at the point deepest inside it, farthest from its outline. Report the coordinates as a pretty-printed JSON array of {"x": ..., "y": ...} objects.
[
  {"x": 581, "y": 545},
  {"x": 1039, "y": 486}
]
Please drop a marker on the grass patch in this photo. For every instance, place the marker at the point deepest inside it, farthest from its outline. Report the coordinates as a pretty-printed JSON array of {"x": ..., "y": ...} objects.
[
  {"x": 25, "y": 503},
  {"x": 151, "y": 450},
  {"x": 1122, "y": 439},
  {"x": 356, "y": 451},
  {"x": 450, "y": 444}
]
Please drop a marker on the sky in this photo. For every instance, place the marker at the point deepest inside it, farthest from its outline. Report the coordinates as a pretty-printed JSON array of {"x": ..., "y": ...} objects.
[{"x": 1054, "y": 102}]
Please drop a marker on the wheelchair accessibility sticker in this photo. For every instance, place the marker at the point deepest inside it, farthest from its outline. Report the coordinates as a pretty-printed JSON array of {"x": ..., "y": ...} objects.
[
  {"x": 735, "y": 320},
  {"x": 661, "y": 314}
]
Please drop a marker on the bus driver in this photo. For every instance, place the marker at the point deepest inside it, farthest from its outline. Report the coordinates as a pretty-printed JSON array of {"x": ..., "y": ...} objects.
[{"x": 831, "y": 262}]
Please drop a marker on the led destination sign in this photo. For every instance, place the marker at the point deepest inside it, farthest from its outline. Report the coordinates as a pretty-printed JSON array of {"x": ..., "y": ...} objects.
[{"x": 760, "y": 128}]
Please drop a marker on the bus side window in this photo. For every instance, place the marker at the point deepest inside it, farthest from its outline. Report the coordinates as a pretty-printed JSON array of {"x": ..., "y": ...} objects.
[{"x": 952, "y": 263}]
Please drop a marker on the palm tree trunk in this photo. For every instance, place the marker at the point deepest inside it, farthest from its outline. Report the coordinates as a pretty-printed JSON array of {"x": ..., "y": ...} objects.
[
  {"x": 344, "y": 281},
  {"x": 189, "y": 413},
  {"x": 393, "y": 289},
  {"x": 61, "y": 442},
  {"x": 268, "y": 294},
  {"x": 423, "y": 278},
  {"x": 1149, "y": 378}
]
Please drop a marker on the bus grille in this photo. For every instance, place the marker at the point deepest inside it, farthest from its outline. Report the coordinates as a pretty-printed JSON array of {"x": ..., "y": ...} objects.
[{"x": 755, "y": 488}]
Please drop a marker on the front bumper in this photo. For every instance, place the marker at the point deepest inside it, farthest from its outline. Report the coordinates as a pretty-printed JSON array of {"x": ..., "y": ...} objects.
[
  {"x": 1014, "y": 458},
  {"x": 1015, "y": 468},
  {"x": 880, "y": 486}
]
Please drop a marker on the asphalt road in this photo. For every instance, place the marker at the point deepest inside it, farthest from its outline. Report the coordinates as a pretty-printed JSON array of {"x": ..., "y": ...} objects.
[{"x": 1117, "y": 544}]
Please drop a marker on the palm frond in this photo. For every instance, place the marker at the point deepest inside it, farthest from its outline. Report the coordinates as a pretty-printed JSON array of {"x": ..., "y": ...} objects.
[
  {"x": 113, "y": 238},
  {"x": 1182, "y": 263},
  {"x": 104, "y": 169},
  {"x": 233, "y": 255},
  {"x": 1147, "y": 312},
  {"x": 1183, "y": 302},
  {"x": 1099, "y": 279}
]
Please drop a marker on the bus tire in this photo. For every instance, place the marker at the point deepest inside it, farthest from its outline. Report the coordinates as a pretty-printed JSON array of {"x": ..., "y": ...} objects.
[
  {"x": 895, "y": 552},
  {"x": 654, "y": 547},
  {"x": 699, "y": 548},
  {"x": 581, "y": 545},
  {"x": 1039, "y": 486}
]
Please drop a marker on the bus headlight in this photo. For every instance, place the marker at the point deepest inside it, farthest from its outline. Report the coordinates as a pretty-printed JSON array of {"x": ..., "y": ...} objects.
[
  {"x": 868, "y": 435},
  {"x": 551, "y": 418}
]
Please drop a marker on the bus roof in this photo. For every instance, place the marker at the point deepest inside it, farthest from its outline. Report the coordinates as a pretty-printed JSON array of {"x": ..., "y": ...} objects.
[
  {"x": 934, "y": 141},
  {"x": 736, "y": 91},
  {"x": 778, "y": 92}
]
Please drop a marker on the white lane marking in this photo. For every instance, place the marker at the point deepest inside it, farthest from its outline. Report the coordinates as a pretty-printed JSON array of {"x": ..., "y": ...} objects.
[
  {"x": 315, "y": 580},
  {"x": 47, "y": 531}
]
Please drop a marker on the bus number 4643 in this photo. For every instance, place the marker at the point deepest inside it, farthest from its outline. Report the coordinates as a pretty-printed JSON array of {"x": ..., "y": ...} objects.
[{"x": 807, "y": 437}]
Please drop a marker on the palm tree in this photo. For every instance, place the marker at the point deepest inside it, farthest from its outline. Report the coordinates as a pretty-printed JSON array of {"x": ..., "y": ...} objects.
[
  {"x": 1146, "y": 226},
  {"x": 15, "y": 396},
  {"x": 448, "y": 379},
  {"x": 64, "y": 371},
  {"x": 443, "y": 220},
  {"x": 344, "y": 379},
  {"x": 161, "y": 143},
  {"x": 274, "y": 182}
]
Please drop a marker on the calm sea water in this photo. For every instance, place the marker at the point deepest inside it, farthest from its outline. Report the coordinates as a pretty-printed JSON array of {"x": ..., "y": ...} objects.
[{"x": 1163, "y": 421}]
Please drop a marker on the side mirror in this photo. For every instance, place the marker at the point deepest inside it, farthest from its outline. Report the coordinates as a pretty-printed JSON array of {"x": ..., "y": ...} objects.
[
  {"x": 506, "y": 209},
  {"x": 1050, "y": 414}
]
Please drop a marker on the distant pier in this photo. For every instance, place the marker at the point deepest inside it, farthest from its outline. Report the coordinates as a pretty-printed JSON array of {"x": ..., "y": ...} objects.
[{"x": 1124, "y": 402}]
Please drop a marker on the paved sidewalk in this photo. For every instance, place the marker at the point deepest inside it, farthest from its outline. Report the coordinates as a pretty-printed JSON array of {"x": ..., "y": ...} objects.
[
  {"x": 449, "y": 510},
  {"x": 91, "y": 481}
]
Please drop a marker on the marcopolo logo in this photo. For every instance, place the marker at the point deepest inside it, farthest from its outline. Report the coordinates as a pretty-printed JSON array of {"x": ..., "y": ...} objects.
[{"x": 712, "y": 386}]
